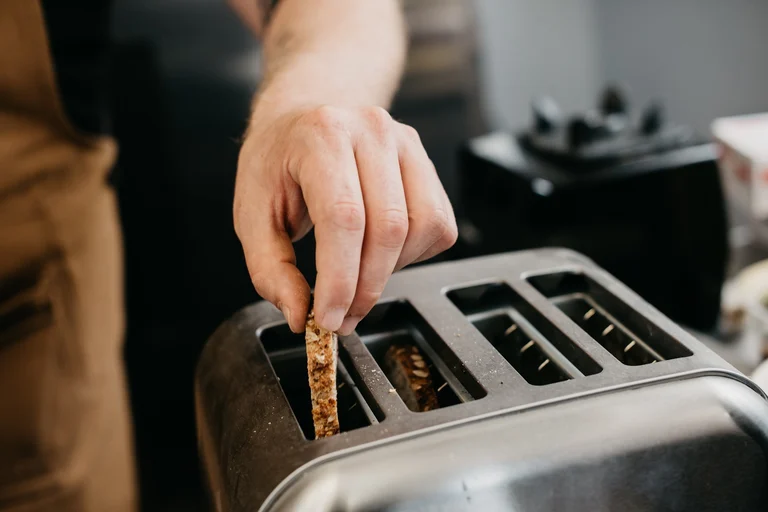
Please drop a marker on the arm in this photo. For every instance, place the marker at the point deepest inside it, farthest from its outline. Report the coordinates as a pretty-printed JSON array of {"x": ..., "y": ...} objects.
[
  {"x": 321, "y": 150},
  {"x": 352, "y": 52}
]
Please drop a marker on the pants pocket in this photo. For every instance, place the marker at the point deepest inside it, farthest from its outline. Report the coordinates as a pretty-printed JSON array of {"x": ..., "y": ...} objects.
[{"x": 40, "y": 415}]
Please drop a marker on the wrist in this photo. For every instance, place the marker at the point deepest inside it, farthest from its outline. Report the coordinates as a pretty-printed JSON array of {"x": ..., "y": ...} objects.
[
  {"x": 305, "y": 83},
  {"x": 273, "y": 101}
]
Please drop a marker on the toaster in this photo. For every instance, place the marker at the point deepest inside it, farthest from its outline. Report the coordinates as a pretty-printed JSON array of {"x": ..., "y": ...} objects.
[
  {"x": 635, "y": 192},
  {"x": 558, "y": 387}
]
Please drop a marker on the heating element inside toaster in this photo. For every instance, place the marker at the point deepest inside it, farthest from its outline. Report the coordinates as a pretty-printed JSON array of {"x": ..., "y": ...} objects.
[
  {"x": 622, "y": 331},
  {"x": 541, "y": 353}
]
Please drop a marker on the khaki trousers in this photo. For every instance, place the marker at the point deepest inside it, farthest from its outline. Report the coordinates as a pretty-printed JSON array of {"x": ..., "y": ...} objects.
[{"x": 65, "y": 438}]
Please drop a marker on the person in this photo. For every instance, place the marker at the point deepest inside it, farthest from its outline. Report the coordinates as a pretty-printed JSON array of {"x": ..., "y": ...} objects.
[{"x": 320, "y": 150}]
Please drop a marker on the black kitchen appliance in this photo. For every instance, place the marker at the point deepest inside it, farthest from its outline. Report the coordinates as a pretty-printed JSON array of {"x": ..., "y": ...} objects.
[
  {"x": 636, "y": 193},
  {"x": 558, "y": 389}
]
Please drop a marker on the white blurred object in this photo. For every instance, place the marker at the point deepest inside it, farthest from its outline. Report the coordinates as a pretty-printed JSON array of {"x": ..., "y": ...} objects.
[
  {"x": 743, "y": 161},
  {"x": 744, "y": 306}
]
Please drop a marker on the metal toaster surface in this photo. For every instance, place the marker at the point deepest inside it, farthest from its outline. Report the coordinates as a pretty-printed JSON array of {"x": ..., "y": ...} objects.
[{"x": 558, "y": 389}]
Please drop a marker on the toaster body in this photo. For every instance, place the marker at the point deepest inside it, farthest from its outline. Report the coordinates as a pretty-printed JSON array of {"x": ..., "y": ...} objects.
[{"x": 559, "y": 389}]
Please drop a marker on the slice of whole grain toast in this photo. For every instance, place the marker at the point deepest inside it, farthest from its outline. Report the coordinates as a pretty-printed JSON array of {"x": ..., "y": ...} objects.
[
  {"x": 409, "y": 374},
  {"x": 322, "y": 352}
]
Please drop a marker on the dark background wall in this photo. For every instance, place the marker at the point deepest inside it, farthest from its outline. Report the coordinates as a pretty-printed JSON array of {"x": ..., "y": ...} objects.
[{"x": 183, "y": 75}]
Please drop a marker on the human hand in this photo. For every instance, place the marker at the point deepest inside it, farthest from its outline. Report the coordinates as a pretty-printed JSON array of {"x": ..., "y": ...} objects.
[{"x": 366, "y": 183}]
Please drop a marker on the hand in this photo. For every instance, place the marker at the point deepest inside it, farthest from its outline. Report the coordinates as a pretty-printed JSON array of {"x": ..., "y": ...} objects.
[{"x": 366, "y": 183}]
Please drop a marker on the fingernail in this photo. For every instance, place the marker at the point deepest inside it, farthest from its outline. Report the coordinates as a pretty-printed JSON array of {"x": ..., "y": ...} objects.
[
  {"x": 332, "y": 319},
  {"x": 286, "y": 313},
  {"x": 349, "y": 324}
]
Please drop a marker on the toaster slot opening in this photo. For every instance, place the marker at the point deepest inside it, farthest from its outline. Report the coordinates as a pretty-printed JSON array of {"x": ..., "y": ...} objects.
[
  {"x": 520, "y": 350},
  {"x": 534, "y": 347},
  {"x": 288, "y": 356},
  {"x": 626, "y": 334},
  {"x": 415, "y": 358}
]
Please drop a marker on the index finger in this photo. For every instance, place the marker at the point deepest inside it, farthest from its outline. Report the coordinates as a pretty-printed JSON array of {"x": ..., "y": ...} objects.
[{"x": 331, "y": 189}]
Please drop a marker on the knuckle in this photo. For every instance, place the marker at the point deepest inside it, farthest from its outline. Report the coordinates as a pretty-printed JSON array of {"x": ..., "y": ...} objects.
[
  {"x": 392, "y": 228},
  {"x": 348, "y": 216},
  {"x": 258, "y": 279},
  {"x": 442, "y": 228},
  {"x": 376, "y": 115},
  {"x": 411, "y": 133},
  {"x": 450, "y": 232},
  {"x": 240, "y": 218},
  {"x": 326, "y": 118},
  {"x": 256, "y": 276},
  {"x": 324, "y": 129},
  {"x": 451, "y": 237},
  {"x": 378, "y": 120}
]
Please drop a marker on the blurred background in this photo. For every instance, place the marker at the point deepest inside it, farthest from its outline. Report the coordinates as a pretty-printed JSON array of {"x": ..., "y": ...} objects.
[{"x": 183, "y": 75}]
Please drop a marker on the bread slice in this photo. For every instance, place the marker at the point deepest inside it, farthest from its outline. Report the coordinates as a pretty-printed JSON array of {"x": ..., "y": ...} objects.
[
  {"x": 409, "y": 373},
  {"x": 322, "y": 353}
]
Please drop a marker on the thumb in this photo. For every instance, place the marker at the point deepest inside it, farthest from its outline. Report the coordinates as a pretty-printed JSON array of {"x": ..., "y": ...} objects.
[{"x": 271, "y": 264}]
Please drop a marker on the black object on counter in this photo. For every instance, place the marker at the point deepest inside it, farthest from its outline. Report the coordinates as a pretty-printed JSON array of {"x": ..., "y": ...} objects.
[
  {"x": 639, "y": 195},
  {"x": 558, "y": 389}
]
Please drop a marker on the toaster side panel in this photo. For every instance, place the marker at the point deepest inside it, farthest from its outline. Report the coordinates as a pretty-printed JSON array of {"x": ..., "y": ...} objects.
[{"x": 697, "y": 444}]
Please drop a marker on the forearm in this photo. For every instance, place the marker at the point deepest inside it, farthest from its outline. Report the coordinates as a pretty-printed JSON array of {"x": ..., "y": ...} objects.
[{"x": 338, "y": 52}]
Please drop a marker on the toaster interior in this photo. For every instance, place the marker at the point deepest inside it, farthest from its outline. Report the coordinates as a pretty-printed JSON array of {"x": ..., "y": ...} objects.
[
  {"x": 537, "y": 350},
  {"x": 287, "y": 355},
  {"x": 398, "y": 323},
  {"x": 534, "y": 347},
  {"x": 621, "y": 330}
]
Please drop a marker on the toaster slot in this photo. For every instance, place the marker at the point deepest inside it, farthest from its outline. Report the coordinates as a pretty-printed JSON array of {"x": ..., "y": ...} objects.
[
  {"x": 606, "y": 331},
  {"x": 520, "y": 350},
  {"x": 288, "y": 356},
  {"x": 397, "y": 325},
  {"x": 534, "y": 347},
  {"x": 627, "y": 335}
]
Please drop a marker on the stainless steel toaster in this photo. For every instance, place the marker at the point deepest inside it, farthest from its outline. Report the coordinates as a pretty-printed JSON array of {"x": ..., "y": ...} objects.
[{"x": 559, "y": 389}]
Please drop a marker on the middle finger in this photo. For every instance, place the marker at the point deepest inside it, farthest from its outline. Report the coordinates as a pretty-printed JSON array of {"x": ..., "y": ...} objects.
[{"x": 385, "y": 210}]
